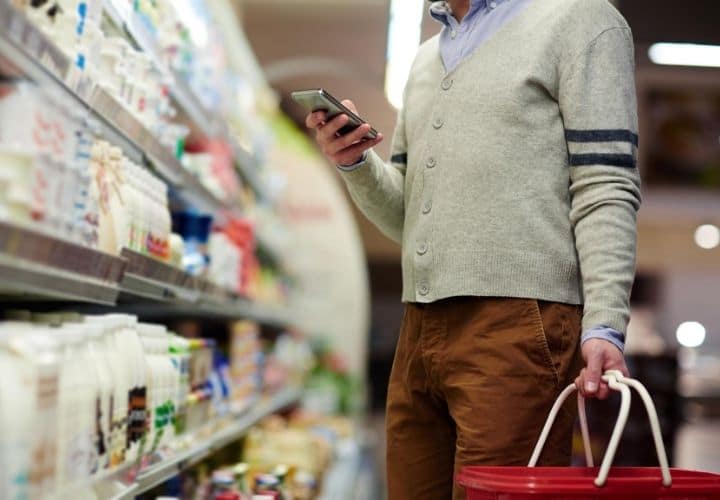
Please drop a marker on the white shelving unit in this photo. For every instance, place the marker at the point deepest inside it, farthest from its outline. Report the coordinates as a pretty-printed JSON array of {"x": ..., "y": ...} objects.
[
  {"x": 101, "y": 279},
  {"x": 37, "y": 266},
  {"x": 125, "y": 19},
  {"x": 28, "y": 52},
  {"x": 40, "y": 267}
]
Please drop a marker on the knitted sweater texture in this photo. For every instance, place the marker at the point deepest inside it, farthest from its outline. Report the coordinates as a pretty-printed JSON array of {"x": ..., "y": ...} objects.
[{"x": 514, "y": 175}]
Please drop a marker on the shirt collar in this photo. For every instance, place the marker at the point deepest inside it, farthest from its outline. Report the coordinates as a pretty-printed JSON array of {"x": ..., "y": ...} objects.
[{"x": 441, "y": 12}]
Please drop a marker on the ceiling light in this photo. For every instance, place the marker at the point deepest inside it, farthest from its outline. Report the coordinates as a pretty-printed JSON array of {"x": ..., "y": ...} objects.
[
  {"x": 707, "y": 236},
  {"x": 403, "y": 41},
  {"x": 685, "y": 54},
  {"x": 690, "y": 334}
]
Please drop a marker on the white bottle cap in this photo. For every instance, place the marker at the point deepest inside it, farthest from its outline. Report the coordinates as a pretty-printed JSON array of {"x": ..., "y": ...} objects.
[
  {"x": 151, "y": 329},
  {"x": 72, "y": 335},
  {"x": 94, "y": 330},
  {"x": 126, "y": 320}
]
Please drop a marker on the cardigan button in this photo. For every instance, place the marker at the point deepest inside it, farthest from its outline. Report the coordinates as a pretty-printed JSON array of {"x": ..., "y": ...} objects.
[
  {"x": 446, "y": 84},
  {"x": 423, "y": 289},
  {"x": 431, "y": 162},
  {"x": 427, "y": 207},
  {"x": 438, "y": 123},
  {"x": 422, "y": 248}
]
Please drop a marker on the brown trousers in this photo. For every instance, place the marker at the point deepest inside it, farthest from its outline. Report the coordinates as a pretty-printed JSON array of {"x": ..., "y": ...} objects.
[{"x": 472, "y": 383}]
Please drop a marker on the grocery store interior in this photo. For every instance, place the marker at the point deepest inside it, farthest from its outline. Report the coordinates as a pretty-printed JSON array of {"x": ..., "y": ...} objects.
[{"x": 191, "y": 305}]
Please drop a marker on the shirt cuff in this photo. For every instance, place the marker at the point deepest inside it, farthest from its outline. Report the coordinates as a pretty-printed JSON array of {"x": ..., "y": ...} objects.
[
  {"x": 354, "y": 166},
  {"x": 605, "y": 333}
]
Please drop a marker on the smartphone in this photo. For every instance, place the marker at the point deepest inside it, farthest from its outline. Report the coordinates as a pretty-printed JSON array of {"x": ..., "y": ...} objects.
[{"x": 321, "y": 100}]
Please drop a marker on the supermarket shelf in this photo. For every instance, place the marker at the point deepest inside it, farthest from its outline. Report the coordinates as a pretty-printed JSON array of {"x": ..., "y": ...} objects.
[
  {"x": 30, "y": 53},
  {"x": 26, "y": 48},
  {"x": 166, "y": 469},
  {"x": 36, "y": 265},
  {"x": 248, "y": 167},
  {"x": 211, "y": 126},
  {"x": 209, "y": 308},
  {"x": 124, "y": 17},
  {"x": 243, "y": 308},
  {"x": 152, "y": 279},
  {"x": 179, "y": 293}
]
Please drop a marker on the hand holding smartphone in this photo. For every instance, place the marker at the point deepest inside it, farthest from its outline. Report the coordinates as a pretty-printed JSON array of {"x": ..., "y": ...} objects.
[
  {"x": 320, "y": 100},
  {"x": 340, "y": 133}
]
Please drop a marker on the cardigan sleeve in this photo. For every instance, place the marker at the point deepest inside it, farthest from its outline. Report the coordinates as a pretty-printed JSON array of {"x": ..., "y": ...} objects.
[{"x": 598, "y": 104}]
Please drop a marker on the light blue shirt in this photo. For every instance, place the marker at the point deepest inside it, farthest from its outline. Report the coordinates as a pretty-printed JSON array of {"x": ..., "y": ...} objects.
[
  {"x": 459, "y": 39},
  {"x": 482, "y": 21}
]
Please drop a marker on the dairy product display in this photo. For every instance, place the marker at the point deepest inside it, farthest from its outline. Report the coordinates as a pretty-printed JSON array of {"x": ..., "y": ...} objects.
[
  {"x": 140, "y": 81},
  {"x": 30, "y": 361},
  {"x": 60, "y": 178},
  {"x": 69, "y": 172},
  {"x": 134, "y": 179},
  {"x": 45, "y": 151},
  {"x": 85, "y": 395}
]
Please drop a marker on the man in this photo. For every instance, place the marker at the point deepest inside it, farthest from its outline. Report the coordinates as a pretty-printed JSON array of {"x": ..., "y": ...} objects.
[{"x": 513, "y": 190}]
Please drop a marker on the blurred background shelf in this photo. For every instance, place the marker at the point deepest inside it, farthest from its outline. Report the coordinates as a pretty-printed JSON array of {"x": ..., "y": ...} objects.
[
  {"x": 27, "y": 51},
  {"x": 174, "y": 463},
  {"x": 204, "y": 121}
]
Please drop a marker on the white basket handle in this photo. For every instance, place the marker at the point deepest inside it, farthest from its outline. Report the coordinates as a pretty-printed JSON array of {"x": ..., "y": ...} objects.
[{"x": 617, "y": 382}]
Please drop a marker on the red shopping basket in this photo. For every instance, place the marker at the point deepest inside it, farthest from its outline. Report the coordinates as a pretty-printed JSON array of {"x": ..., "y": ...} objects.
[{"x": 589, "y": 483}]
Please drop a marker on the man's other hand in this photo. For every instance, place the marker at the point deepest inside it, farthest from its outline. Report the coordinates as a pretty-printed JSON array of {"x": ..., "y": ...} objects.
[{"x": 599, "y": 355}]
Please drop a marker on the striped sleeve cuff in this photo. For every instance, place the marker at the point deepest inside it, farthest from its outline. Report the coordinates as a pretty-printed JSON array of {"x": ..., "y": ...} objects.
[
  {"x": 605, "y": 333},
  {"x": 607, "y": 147}
]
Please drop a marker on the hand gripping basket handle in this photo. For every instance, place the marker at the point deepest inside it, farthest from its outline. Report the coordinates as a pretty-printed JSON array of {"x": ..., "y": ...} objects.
[{"x": 617, "y": 382}]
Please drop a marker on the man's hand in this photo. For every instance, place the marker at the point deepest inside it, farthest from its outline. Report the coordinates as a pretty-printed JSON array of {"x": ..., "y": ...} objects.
[
  {"x": 340, "y": 149},
  {"x": 599, "y": 355}
]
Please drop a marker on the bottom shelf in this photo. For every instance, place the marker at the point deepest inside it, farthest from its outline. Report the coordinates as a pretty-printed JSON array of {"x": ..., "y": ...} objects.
[{"x": 119, "y": 489}]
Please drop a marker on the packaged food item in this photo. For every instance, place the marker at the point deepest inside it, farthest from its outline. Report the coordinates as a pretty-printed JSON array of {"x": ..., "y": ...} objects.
[
  {"x": 268, "y": 484},
  {"x": 246, "y": 362},
  {"x": 76, "y": 452},
  {"x": 121, "y": 365},
  {"x": 223, "y": 486},
  {"x": 240, "y": 473},
  {"x": 29, "y": 370},
  {"x": 180, "y": 356},
  {"x": 161, "y": 386},
  {"x": 304, "y": 486},
  {"x": 97, "y": 352},
  {"x": 129, "y": 342}
]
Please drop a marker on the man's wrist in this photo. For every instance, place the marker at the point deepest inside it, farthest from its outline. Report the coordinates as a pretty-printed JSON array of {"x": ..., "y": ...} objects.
[
  {"x": 354, "y": 166},
  {"x": 606, "y": 333}
]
